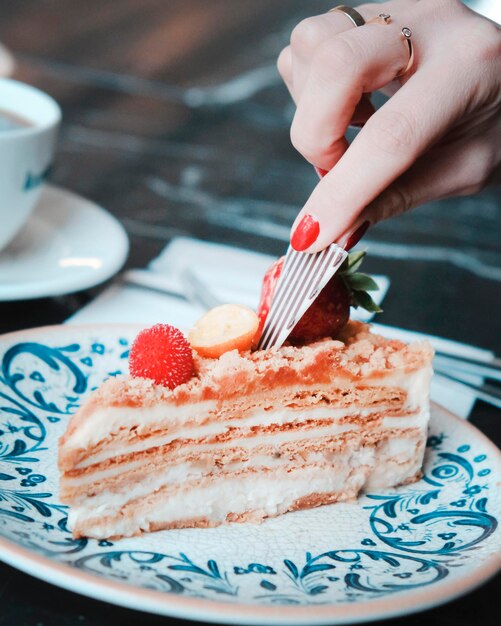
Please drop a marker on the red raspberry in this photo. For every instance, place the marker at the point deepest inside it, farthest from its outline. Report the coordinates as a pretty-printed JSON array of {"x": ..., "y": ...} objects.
[{"x": 162, "y": 354}]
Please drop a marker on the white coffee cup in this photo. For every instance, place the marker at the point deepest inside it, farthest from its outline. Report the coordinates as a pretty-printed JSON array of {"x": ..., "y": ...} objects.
[{"x": 26, "y": 152}]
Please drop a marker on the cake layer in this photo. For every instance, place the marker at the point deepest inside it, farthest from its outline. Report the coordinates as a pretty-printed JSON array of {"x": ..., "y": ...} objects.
[
  {"x": 255, "y": 493},
  {"x": 365, "y": 371},
  {"x": 219, "y": 430},
  {"x": 109, "y": 429},
  {"x": 283, "y": 445}
]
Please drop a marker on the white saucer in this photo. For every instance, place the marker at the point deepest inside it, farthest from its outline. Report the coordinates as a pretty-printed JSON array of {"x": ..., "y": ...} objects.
[{"x": 68, "y": 244}]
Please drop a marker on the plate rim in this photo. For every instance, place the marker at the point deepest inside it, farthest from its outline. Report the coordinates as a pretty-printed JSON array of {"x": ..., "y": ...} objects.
[
  {"x": 44, "y": 289},
  {"x": 186, "y": 607}
]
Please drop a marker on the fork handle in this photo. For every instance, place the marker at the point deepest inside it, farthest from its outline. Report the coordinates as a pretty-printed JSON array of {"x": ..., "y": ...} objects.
[
  {"x": 487, "y": 393},
  {"x": 488, "y": 369}
]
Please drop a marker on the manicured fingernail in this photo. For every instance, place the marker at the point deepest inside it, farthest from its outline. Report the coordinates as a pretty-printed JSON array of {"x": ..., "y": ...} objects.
[
  {"x": 306, "y": 233},
  {"x": 321, "y": 173},
  {"x": 356, "y": 235}
]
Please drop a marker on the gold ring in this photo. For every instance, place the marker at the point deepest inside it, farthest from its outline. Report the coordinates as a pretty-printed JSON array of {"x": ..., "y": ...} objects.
[
  {"x": 354, "y": 16},
  {"x": 406, "y": 36}
]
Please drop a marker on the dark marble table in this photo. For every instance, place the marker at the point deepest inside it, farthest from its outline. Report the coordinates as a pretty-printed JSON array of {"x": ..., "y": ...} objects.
[{"x": 175, "y": 121}]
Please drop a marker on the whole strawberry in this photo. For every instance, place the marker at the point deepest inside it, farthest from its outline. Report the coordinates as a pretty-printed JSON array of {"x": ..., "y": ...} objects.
[
  {"x": 268, "y": 289},
  {"x": 331, "y": 309},
  {"x": 326, "y": 316}
]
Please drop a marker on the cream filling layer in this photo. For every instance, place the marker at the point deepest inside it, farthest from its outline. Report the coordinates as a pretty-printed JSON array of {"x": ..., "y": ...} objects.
[
  {"x": 236, "y": 495},
  {"x": 419, "y": 420},
  {"x": 264, "y": 493},
  {"x": 108, "y": 421},
  {"x": 259, "y": 419}
]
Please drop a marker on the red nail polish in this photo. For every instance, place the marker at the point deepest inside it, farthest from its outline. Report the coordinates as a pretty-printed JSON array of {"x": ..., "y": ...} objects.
[
  {"x": 356, "y": 235},
  {"x": 306, "y": 233}
]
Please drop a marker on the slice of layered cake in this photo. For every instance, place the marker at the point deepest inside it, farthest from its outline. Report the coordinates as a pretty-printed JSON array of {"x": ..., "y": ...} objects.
[{"x": 238, "y": 435}]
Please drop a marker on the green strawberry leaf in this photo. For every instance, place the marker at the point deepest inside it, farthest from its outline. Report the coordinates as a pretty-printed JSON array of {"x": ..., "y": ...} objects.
[
  {"x": 361, "y": 282},
  {"x": 353, "y": 261},
  {"x": 357, "y": 283},
  {"x": 363, "y": 299}
]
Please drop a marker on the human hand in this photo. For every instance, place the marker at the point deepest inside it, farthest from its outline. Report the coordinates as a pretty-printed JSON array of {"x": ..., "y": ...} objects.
[{"x": 438, "y": 135}]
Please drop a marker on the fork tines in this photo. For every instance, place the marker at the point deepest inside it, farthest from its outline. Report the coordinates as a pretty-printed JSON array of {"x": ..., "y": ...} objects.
[{"x": 303, "y": 277}]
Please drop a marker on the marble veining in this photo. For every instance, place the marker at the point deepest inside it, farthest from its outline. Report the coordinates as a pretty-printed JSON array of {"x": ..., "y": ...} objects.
[{"x": 231, "y": 91}]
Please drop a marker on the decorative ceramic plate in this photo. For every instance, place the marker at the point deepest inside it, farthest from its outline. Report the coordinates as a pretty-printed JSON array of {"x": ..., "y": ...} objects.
[
  {"x": 68, "y": 244},
  {"x": 389, "y": 553}
]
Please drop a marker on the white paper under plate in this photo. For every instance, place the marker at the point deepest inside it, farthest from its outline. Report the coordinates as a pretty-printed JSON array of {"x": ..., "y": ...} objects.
[{"x": 389, "y": 553}]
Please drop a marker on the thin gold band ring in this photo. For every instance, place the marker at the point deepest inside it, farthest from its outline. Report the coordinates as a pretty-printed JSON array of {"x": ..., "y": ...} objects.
[{"x": 353, "y": 15}]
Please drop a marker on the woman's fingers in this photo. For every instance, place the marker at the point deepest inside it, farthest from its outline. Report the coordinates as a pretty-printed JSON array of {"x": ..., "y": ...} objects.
[
  {"x": 390, "y": 142},
  {"x": 344, "y": 68},
  {"x": 309, "y": 35},
  {"x": 284, "y": 65},
  {"x": 363, "y": 110},
  {"x": 456, "y": 169}
]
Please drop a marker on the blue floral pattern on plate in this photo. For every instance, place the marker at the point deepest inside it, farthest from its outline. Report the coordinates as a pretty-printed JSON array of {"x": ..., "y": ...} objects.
[{"x": 386, "y": 543}]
